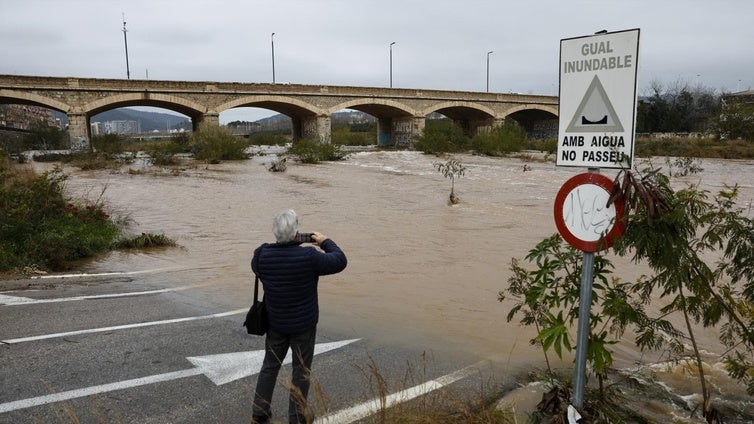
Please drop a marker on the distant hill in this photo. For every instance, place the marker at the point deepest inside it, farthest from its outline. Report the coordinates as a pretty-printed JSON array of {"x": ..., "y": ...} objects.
[{"x": 148, "y": 121}]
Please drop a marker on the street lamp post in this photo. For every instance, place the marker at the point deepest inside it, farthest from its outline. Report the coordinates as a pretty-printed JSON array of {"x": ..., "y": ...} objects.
[
  {"x": 125, "y": 41},
  {"x": 391, "y": 64},
  {"x": 272, "y": 39},
  {"x": 488, "y": 70}
]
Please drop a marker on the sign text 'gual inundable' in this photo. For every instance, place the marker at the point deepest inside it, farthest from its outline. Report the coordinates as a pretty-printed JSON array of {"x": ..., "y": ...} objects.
[{"x": 597, "y": 109}]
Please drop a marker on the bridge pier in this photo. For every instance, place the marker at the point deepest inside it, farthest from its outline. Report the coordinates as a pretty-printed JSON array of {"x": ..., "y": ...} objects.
[
  {"x": 398, "y": 132},
  {"x": 79, "y": 131},
  {"x": 211, "y": 118},
  {"x": 475, "y": 126},
  {"x": 312, "y": 127}
]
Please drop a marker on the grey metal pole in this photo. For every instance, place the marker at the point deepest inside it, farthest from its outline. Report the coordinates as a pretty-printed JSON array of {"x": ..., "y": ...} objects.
[
  {"x": 391, "y": 64},
  {"x": 125, "y": 41},
  {"x": 272, "y": 39},
  {"x": 488, "y": 70},
  {"x": 582, "y": 337}
]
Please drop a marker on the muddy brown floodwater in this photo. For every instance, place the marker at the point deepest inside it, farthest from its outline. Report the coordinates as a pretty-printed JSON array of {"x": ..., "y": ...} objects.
[{"x": 420, "y": 272}]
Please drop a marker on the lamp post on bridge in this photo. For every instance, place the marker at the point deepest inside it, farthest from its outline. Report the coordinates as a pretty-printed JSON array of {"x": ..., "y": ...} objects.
[
  {"x": 125, "y": 41},
  {"x": 272, "y": 39},
  {"x": 488, "y": 70},
  {"x": 391, "y": 64}
]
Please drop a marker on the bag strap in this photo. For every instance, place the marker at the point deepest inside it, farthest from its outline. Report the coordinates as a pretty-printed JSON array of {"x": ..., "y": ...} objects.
[{"x": 256, "y": 287}]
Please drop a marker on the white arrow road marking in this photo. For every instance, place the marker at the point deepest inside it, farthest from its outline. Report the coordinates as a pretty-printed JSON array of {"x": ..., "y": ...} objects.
[
  {"x": 373, "y": 406},
  {"x": 221, "y": 369},
  {"x": 121, "y": 327}
]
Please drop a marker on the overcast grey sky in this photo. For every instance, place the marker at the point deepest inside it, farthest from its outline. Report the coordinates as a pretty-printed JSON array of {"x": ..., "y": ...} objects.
[{"x": 439, "y": 44}]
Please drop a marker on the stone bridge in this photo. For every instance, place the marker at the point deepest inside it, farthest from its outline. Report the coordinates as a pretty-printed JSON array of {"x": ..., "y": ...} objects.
[{"x": 400, "y": 112}]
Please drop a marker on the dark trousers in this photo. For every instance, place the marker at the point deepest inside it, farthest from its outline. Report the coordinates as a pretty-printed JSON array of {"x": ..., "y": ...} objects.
[{"x": 276, "y": 347}]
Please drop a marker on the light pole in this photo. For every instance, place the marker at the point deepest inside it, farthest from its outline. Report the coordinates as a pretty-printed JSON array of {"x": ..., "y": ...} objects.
[
  {"x": 272, "y": 39},
  {"x": 488, "y": 70},
  {"x": 125, "y": 41},
  {"x": 391, "y": 64}
]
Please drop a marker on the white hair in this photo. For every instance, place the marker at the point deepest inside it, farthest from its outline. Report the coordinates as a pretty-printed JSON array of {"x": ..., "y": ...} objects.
[{"x": 285, "y": 226}]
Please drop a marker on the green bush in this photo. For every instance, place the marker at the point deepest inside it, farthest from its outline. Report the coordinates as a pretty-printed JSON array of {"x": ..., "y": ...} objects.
[
  {"x": 110, "y": 143},
  {"x": 506, "y": 138},
  {"x": 268, "y": 139},
  {"x": 314, "y": 151},
  {"x": 441, "y": 135},
  {"x": 212, "y": 143},
  {"x": 347, "y": 137},
  {"x": 41, "y": 228}
]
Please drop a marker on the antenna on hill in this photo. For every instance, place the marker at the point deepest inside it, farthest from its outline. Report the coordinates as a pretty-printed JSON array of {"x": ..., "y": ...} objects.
[{"x": 125, "y": 41}]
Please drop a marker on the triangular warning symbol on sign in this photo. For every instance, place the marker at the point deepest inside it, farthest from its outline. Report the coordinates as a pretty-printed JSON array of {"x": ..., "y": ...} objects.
[{"x": 595, "y": 113}]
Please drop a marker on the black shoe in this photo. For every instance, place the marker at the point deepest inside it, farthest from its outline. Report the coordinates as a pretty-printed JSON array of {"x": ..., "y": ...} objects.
[{"x": 260, "y": 420}]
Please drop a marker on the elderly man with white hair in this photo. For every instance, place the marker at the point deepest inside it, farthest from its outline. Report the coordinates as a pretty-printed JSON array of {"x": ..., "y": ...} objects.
[{"x": 289, "y": 273}]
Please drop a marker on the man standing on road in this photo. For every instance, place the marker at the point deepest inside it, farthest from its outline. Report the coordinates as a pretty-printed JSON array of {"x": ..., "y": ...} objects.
[{"x": 290, "y": 273}]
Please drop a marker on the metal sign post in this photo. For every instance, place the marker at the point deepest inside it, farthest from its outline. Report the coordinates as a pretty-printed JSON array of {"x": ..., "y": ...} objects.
[
  {"x": 597, "y": 111},
  {"x": 582, "y": 336}
]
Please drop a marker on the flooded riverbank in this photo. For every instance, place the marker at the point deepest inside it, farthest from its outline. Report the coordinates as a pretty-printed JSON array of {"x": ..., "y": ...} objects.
[{"x": 421, "y": 273}]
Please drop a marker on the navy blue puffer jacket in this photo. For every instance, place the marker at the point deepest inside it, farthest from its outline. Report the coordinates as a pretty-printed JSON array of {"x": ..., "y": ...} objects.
[{"x": 289, "y": 273}]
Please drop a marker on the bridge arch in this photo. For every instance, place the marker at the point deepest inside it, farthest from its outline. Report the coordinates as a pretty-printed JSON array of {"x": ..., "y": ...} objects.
[
  {"x": 281, "y": 104},
  {"x": 376, "y": 107},
  {"x": 8, "y": 96},
  {"x": 539, "y": 121},
  {"x": 396, "y": 122},
  {"x": 469, "y": 115},
  {"x": 459, "y": 109},
  {"x": 307, "y": 120},
  {"x": 552, "y": 110},
  {"x": 187, "y": 107}
]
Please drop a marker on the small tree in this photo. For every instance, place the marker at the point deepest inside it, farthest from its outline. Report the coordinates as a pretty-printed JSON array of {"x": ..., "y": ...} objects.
[
  {"x": 452, "y": 168},
  {"x": 212, "y": 144}
]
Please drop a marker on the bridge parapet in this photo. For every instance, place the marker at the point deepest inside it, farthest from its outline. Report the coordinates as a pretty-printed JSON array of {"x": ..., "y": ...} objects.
[{"x": 400, "y": 111}]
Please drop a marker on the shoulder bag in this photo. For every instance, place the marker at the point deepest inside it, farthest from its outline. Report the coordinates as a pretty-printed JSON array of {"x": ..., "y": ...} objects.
[{"x": 256, "y": 318}]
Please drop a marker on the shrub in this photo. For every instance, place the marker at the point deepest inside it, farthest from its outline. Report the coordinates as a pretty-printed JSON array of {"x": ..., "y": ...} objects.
[
  {"x": 506, "y": 138},
  {"x": 347, "y": 137},
  {"x": 314, "y": 151},
  {"x": 42, "y": 228},
  {"x": 212, "y": 143},
  {"x": 145, "y": 240},
  {"x": 110, "y": 143},
  {"x": 268, "y": 139},
  {"x": 440, "y": 136}
]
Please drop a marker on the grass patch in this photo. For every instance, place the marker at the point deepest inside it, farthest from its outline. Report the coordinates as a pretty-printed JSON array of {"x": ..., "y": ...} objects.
[
  {"x": 41, "y": 228},
  {"x": 145, "y": 240},
  {"x": 314, "y": 151}
]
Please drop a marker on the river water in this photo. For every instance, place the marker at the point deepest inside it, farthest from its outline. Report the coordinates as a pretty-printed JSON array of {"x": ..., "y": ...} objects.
[{"x": 420, "y": 273}]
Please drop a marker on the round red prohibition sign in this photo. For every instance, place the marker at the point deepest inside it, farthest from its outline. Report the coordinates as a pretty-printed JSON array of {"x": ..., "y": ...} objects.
[{"x": 582, "y": 215}]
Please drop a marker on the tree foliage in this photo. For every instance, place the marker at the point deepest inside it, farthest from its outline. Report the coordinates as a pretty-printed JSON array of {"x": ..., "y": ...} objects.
[
  {"x": 212, "y": 143},
  {"x": 452, "y": 168},
  {"x": 674, "y": 232},
  {"x": 677, "y": 107}
]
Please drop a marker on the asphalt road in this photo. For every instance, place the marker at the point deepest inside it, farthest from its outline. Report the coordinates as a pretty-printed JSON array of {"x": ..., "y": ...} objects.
[{"x": 116, "y": 349}]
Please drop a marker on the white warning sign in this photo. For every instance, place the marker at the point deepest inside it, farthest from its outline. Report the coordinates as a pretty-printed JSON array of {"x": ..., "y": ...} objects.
[{"x": 597, "y": 109}]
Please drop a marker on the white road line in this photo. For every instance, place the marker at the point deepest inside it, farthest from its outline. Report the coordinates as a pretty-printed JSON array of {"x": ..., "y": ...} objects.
[
  {"x": 361, "y": 411},
  {"x": 121, "y": 327},
  {"x": 73, "y": 394},
  {"x": 101, "y": 274},
  {"x": 6, "y": 300}
]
